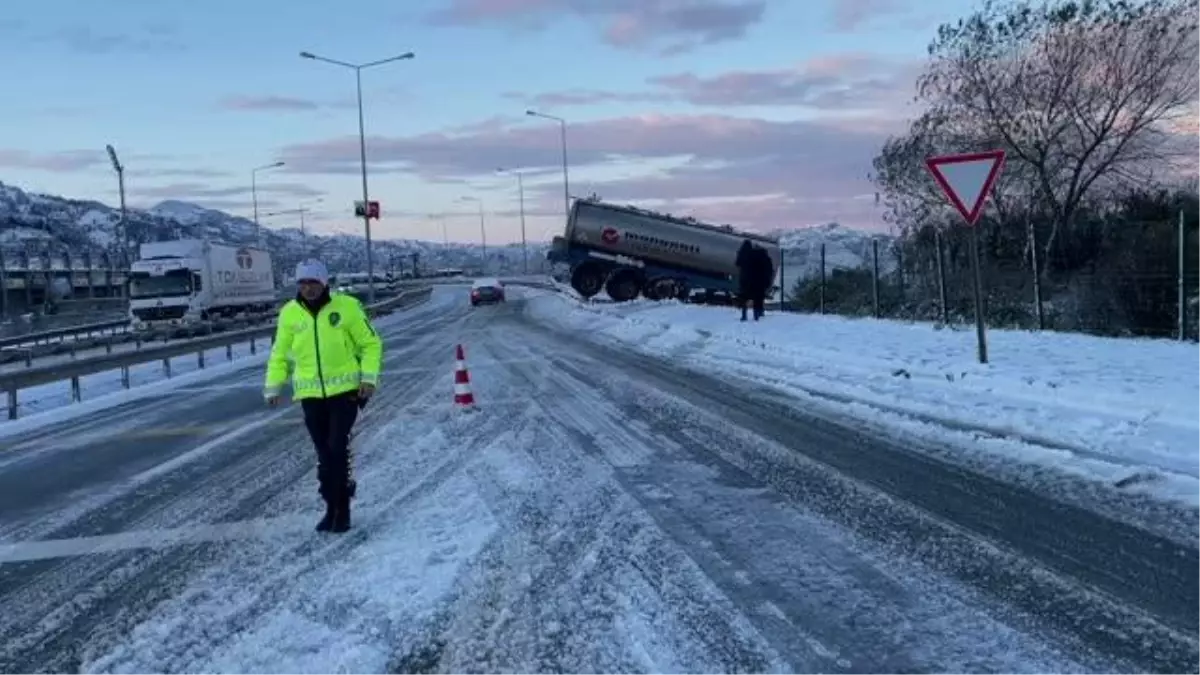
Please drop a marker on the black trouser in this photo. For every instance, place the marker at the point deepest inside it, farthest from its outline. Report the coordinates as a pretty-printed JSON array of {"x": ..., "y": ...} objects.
[
  {"x": 759, "y": 299},
  {"x": 329, "y": 421},
  {"x": 754, "y": 297}
]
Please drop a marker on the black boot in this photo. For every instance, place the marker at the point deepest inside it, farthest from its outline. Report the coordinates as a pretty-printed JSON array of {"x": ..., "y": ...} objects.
[
  {"x": 341, "y": 514},
  {"x": 327, "y": 521}
]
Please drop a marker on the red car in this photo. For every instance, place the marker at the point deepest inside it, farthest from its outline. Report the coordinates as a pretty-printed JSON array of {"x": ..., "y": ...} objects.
[{"x": 486, "y": 291}]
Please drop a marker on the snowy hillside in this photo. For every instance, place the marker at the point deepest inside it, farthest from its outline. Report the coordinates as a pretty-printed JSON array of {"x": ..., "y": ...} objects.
[
  {"x": 845, "y": 248},
  {"x": 44, "y": 220},
  {"x": 78, "y": 225}
]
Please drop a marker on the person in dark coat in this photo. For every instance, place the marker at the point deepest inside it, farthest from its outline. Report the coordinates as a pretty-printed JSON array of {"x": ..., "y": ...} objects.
[
  {"x": 764, "y": 277},
  {"x": 746, "y": 277}
]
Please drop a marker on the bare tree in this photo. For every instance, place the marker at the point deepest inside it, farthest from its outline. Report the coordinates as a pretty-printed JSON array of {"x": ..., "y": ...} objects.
[{"x": 1083, "y": 95}]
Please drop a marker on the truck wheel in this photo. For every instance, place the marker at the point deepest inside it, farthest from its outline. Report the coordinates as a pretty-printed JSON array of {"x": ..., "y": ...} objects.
[
  {"x": 587, "y": 279},
  {"x": 661, "y": 289},
  {"x": 623, "y": 285}
]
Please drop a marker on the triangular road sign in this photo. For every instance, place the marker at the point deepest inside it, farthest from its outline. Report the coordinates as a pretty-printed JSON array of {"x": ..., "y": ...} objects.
[{"x": 967, "y": 179}]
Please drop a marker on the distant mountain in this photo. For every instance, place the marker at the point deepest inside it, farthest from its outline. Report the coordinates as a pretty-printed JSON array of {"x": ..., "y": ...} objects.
[
  {"x": 845, "y": 248},
  {"x": 38, "y": 221},
  {"x": 78, "y": 225}
]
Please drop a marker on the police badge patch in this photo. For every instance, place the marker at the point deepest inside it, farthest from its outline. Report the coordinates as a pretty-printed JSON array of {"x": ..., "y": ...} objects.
[{"x": 335, "y": 319}]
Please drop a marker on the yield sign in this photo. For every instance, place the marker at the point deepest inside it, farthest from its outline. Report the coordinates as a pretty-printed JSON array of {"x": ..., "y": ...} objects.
[{"x": 967, "y": 179}]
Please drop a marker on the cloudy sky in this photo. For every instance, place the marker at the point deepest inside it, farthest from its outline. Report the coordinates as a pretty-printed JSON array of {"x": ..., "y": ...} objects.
[{"x": 760, "y": 113}]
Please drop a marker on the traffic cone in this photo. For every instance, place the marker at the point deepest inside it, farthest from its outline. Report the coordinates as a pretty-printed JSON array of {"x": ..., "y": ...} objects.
[{"x": 463, "y": 398}]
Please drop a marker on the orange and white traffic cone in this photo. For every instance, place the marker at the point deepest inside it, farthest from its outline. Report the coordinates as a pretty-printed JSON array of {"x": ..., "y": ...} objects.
[{"x": 463, "y": 398}]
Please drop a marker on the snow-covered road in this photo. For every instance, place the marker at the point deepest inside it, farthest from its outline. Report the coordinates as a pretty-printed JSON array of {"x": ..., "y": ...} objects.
[{"x": 601, "y": 512}]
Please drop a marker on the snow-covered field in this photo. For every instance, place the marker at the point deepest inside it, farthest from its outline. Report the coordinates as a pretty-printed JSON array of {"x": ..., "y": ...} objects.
[{"x": 1120, "y": 411}]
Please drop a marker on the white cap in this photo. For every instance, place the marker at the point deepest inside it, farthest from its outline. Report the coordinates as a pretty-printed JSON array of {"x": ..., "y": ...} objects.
[{"x": 314, "y": 270}]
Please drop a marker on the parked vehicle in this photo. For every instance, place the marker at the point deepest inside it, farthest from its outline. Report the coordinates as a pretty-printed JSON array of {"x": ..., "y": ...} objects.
[
  {"x": 191, "y": 280},
  {"x": 486, "y": 292},
  {"x": 627, "y": 252}
]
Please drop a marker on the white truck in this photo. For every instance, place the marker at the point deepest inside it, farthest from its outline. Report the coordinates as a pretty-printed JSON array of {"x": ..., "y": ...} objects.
[{"x": 193, "y": 280}]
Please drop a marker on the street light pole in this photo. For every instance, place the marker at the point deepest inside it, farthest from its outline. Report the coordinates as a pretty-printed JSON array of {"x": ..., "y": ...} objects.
[
  {"x": 362, "y": 148},
  {"x": 441, "y": 218},
  {"x": 254, "y": 196},
  {"x": 521, "y": 197},
  {"x": 482, "y": 229},
  {"x": 120, "y": 169},
  {"x": 562, "y": 126},
  {"x": 302, "y": 210}
]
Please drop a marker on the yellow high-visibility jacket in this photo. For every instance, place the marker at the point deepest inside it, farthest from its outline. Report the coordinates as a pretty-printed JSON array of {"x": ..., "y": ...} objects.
[{"x": 333, "y": 352}]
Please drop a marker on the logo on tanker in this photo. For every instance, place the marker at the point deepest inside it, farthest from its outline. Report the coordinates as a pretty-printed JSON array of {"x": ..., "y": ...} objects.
[
  {"x": 244, "y": 259},
  {"x": 610, "y": 236}
]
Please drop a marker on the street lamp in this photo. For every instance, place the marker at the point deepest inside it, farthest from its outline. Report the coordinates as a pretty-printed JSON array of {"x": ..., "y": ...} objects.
[
  {"x": 482, "y": 229},
  {"x": 362, "y": 150},
  {"x": 254, "y": 195},
  {"x": 562, "y": 125},
  {"x": 302, "y": 210},
  {"x": 441, "y": 217},
  {"x": 120, "y": 169},
  {"x": 521, "y": 193}
]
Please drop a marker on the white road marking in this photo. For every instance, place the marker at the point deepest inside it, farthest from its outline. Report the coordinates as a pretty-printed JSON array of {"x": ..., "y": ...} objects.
[
  {"x": 222, "y": 387},
  {"x": 124, "y": 541},
  {"x": 204, "y": 448}
]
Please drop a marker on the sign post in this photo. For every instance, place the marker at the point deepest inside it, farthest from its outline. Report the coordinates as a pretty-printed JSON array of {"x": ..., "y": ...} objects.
[{"x": 966, "y": 180}]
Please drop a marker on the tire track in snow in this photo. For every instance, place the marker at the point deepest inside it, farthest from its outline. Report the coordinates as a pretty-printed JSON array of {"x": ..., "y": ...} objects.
[
  {"x": 997, "y": 635},
  {"x": 248, "y": 585},
  {"x": 55, "y": 603},
  {"x": 568, "y": 570},
  {"x": 602, "y": 438}
]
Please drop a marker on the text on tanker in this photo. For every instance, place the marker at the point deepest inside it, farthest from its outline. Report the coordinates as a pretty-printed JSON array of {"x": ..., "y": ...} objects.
[{"x": 645, "y": 243}]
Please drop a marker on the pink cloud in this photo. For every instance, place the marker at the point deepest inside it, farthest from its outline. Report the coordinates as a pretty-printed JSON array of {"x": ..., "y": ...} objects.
[
  {"x": 811, "y": 168},
  {"x": 274, "y": 103},
  {"x": 179, "y": 173},
  {"x": 850, "y": 81},
  {"x": 573, "y": 97},
  {"x": 671, "y": 26},
  {"x": 196, "y": 192},
  {"x": 64, "y": 161}
]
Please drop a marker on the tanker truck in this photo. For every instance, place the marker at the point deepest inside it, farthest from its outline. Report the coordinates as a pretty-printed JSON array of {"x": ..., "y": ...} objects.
[{"x": 627, "y": 251}]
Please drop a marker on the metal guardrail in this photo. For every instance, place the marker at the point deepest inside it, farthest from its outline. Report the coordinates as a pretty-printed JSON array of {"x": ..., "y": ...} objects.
[
  {"x": 60, "y": 333},
  {"x": 11, "y": 383},
  {"x": 33, "y": 346}
]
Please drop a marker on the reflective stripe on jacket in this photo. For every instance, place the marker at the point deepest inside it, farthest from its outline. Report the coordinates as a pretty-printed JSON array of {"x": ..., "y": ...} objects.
[{"x": 332, "y": 352}]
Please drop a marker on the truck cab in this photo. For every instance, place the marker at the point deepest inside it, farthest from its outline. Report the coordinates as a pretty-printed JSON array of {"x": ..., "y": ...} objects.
[{"x": 166, "y": 291}]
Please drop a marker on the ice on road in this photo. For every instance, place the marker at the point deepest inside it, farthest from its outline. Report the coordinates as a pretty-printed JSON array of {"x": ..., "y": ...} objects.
[{"x": 591, "y": 516}]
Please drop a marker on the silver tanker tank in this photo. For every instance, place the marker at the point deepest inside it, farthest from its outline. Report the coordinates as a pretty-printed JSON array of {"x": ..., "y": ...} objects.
[{"x": 700, "y": 255}]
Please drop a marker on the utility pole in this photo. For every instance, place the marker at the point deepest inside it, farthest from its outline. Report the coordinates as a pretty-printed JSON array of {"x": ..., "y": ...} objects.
[{"x": 521, "y": 197}]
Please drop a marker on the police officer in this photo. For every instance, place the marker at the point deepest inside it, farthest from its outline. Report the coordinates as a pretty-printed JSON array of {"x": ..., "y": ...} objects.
[{"x": 337, "y": 360}]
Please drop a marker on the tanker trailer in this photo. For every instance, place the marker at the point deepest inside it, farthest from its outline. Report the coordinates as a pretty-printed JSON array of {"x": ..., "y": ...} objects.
[{"x": 628, "y": 251}]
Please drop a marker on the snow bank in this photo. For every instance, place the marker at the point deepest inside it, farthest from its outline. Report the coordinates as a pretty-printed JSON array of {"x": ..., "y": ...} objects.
[{"x": 1119, "y": 410}]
